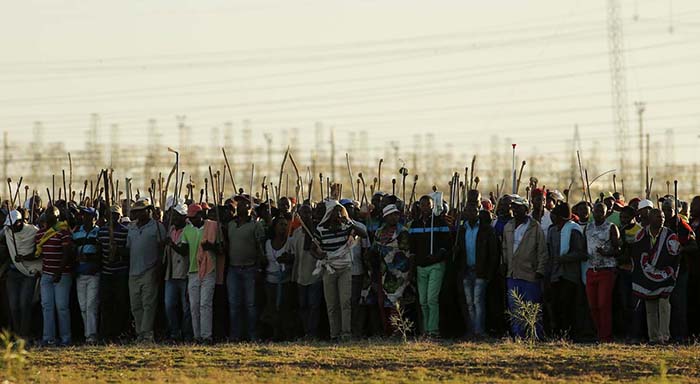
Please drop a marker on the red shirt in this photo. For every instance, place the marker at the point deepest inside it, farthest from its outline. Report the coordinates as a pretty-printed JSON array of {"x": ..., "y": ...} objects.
[{"x": 52, "y": 252}]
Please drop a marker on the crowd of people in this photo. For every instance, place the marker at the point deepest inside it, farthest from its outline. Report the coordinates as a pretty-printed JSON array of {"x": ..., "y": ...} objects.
[{"x": 249, "y": 269}]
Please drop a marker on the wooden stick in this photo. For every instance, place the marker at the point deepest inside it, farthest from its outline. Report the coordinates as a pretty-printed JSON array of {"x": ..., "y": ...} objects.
[
  {"x": 284, "y": 161},
  {"x": 9, "y": 192},
  {"x": 471, "y": 175},
  {"x": 520, "y": 175},
  {"x": 379, "y": 175},
  {"x": 347, "y": 161},
  {"x": 70, "y": 176},
  {"x": 588, "y": 187},
  {"x": 580, "y": 170},
  {"x": 230, "y": 171}
]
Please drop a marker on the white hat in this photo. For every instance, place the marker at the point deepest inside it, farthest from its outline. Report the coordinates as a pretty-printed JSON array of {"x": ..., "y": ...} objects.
[
  {"x": 646, "y": 203},
  {"x": 13, "y": 217},
  {"x": 171, "y": 199},
  {"x": 181, "y": 209},
  {"x": 389, "y": 209}
]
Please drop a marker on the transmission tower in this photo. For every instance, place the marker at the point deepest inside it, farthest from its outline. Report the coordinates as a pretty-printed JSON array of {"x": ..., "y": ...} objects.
[{"x": 617, "y": 79}]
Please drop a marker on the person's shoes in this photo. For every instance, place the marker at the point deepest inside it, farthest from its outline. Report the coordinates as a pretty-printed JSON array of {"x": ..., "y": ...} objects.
[{"x": 207, "y": 341}]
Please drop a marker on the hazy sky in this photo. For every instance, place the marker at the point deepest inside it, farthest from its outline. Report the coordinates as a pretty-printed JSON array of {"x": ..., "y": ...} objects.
[{"x": 465, "y": 70}]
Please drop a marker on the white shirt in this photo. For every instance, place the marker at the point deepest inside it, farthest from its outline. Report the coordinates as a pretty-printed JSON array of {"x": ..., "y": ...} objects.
[
  {"x": 273, "y": 267},
  {"x": 26, "y": 245}
]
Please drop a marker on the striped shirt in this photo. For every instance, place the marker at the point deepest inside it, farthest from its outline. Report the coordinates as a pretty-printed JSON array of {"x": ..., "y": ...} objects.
[
  {"x": 52, "y": 252},
  {"x": 332, "y": 240},
  {"x": 86, "y": 246},
  {"x": 119, "y": 233}
]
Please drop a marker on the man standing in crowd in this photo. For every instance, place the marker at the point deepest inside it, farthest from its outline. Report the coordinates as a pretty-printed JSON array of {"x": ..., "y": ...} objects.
[
  {"x": 177, "y": 307},
  {"x": 525, "y": 252},
  {"x": 22, "y": 274},
  {"x": 603, "y": 243},
  {"x": 430, "y": 244},
  {"x": 145, "y": 240},
  {"x": 567, "y": 248},
  {"x": 309, "y": 286},
  {"x": 656, "y": 257},
  {"x": 54, "y": 247},
  {"x": 246, "y": 237},
  {"x": 85, "y": 239},
  {"x": 476, "y": 260},
  {"x": 679, "y": 298},
  {"x": 114, "y": 281}
]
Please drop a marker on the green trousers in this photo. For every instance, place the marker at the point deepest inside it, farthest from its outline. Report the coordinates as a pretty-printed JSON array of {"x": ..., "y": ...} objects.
[{"x": 429, "y": 283}]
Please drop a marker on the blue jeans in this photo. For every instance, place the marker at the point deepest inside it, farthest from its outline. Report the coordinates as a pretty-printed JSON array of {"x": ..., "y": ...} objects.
[
  {"x": 177, "y": 309},
  {"x": 309, "y": 297},
  {"x": 240, "y": 284},
  {"x": 55, "y": 297},
  {"x": 530, "y": 292},
  {"x": 475, "y": 294}
]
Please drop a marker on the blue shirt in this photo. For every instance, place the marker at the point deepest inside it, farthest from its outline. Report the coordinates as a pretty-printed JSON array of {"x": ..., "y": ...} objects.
[
  {"x": 86, "y": 243},
  {"x": 470, "y": 242}
]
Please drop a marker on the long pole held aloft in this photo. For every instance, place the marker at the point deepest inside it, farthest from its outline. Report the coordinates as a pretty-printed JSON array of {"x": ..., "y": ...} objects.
[{"x": 513, "y": 172}]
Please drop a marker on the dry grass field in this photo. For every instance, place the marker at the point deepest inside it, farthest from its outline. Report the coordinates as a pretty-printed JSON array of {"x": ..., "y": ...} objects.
[{"x": 363, "y": 362}]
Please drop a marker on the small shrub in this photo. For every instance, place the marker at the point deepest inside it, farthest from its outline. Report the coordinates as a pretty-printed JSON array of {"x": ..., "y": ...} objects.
[
  {"x": 526, "y": 314},
  {"x": 14, "y": 355},
  {"x": 401, "y": 324}
]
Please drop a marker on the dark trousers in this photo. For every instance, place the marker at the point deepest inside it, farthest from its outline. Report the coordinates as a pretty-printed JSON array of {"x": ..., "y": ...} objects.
[
  {"x": 309, "y": 300},
  {"x": 20, "y": 293},
  {"x": 114, "y": 301},
  {"x": 679, "y": 308},
  {"x": 632, "y": 308},
  {"x": 563, "y": 301},
  {"x": 359, "y": 312}
]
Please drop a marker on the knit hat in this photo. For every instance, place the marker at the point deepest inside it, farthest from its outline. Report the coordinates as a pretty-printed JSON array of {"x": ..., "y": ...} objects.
[{"x": 389, "y": 209}]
